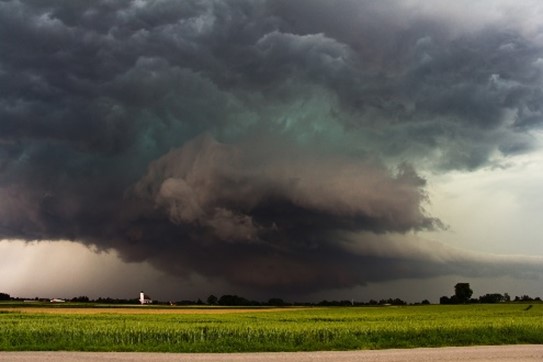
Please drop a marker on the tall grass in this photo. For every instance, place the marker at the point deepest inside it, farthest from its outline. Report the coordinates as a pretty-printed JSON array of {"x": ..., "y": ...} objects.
[{"x": 289, "y": 330}]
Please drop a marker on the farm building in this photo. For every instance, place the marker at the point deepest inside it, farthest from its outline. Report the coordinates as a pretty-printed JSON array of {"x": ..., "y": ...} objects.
[{"x": 145, "y": 299}]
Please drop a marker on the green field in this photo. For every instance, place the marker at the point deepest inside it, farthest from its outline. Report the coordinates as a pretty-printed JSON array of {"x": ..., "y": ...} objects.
[{"x": 234, "y": 330}]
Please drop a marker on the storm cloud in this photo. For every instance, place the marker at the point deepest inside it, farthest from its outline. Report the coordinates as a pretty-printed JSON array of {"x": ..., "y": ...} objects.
[{"x": 274, "y": 145}]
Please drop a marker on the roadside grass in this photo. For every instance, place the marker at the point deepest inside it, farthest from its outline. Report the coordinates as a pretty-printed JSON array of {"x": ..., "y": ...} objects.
[{"x": 286, "y": 329}]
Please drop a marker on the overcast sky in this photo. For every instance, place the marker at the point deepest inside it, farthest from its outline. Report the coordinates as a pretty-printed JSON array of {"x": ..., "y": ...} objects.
[{"x": 301, "y": 149}]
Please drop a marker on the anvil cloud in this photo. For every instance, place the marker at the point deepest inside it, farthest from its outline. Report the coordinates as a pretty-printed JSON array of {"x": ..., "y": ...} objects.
[{"x": 273, "y": 145}]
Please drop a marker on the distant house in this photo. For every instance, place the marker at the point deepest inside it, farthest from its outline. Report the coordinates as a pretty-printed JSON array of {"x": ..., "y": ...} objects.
[
  {"x": 145, "y": 299},
  {"x": 57, "y": 300}
]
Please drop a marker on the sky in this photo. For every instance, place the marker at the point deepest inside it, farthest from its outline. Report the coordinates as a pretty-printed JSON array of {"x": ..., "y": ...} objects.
[{"x": 303, "y": 149}]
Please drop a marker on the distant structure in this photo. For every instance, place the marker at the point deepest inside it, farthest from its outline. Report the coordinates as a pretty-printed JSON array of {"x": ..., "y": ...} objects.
[
  {"x": 56, "y": 300},
  {"x": 145, "y": 299}
]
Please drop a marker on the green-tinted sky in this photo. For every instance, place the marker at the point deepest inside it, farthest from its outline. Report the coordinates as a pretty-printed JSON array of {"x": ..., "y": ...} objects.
[{"x": 302, "y": 148}]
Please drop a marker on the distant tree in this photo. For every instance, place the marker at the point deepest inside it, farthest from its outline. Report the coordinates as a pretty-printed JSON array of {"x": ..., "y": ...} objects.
[
  {"x": 5, "y": 296},
  {"x": 335, "y": 303},
  {"x": 462, "y": 292},
  {"x": 444, "y": 300},
  {"x": 233, "y": 300},
  {"x": 425, "y": 301},
  {"x": 398, "y": 301},
  {"x": 506, "y": 297},
  {"x": 390, "y": 301},
  {"x": 454, "y": 300},
  {"x": 109, "y": 300},
  {"x": 278, "y": 302},
  {"x": 212, "y": 300},
  {"x": 80, "y": 299},
  {"x": 492, "y": 298}
]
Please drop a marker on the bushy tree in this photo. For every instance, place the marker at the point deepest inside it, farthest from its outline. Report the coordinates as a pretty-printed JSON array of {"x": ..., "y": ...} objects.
[
  {"x": 395, "y": 301},
  {"x": 212, "y": 300},
  {"x": 524, "y": 298},
  {"x": 462, "y": 292},
  {"x": 278, "y": 302},
  {"x": 80, "y": 299},
  {"x": 233, "y": 300},
  {"x": 5, "y": 296},
  {"x": 492, "y": 298}
]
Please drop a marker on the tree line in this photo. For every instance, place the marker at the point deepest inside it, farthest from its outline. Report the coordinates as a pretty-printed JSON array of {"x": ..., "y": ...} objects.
[{"x": 462, "y": 295}]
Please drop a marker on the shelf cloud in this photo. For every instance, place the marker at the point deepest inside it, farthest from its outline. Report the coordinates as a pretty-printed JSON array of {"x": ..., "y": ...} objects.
[{"x": 275, "y": 145}]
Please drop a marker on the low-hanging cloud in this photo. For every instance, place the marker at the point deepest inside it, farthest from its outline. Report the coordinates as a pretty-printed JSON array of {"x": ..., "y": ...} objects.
[
  {"x": 204, "y": 178},
  {"x": 269, "y": 211},
  {"x": 244, "y": 140}
]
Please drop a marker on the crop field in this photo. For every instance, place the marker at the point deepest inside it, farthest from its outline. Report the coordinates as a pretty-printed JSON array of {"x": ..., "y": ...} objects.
[{"x": 172, "y": 329}]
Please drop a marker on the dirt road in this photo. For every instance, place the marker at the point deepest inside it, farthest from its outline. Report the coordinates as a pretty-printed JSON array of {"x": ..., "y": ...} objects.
[{"x": 517, "y": 353}]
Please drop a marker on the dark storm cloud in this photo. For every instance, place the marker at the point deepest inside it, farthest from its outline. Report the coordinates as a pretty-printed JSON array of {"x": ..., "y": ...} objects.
[{"x": 312, "y": 113}]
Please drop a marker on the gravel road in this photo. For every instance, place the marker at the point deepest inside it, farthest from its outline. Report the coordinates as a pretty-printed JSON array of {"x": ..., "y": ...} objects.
[{"x": 517, "y": 353}]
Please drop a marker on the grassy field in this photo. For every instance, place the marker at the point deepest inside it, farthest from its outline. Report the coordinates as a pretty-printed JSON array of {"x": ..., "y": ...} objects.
[{"x": 168, "y": 329}]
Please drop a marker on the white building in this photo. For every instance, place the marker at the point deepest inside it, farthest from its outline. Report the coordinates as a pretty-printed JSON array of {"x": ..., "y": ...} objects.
[{"x": 145, "y": 299}]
